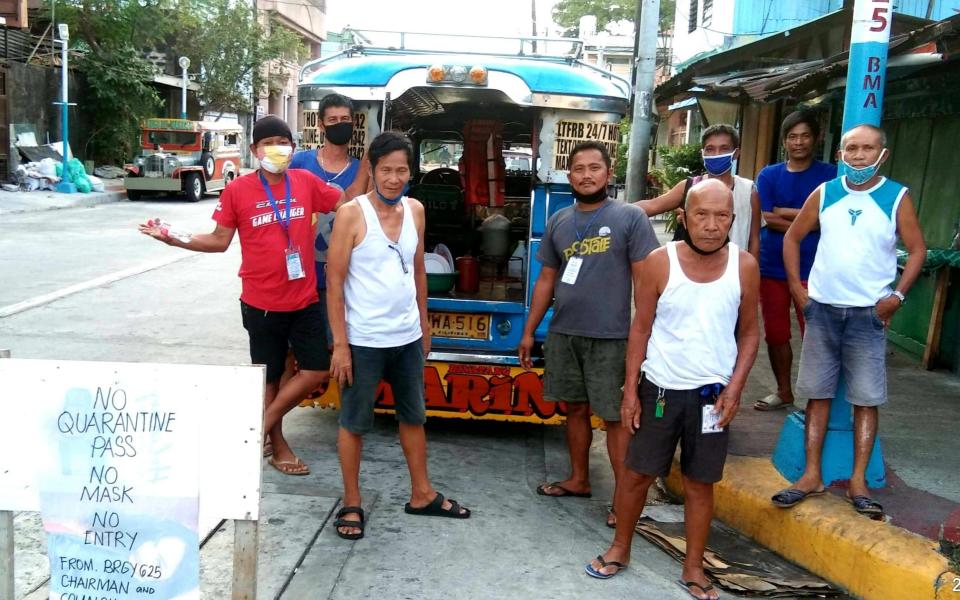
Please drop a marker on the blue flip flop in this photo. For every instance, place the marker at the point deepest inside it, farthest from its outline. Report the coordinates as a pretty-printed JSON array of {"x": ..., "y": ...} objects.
[
  {"x": 597, "y": 574},
  {"x": 791, "y": 497}
]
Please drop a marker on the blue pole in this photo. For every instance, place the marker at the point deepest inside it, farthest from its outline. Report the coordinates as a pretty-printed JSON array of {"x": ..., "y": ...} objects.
[{"x": 65, "y": 186}]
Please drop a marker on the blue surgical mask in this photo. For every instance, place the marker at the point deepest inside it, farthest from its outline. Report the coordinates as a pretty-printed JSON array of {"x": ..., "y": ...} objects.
[
  {"x": 719, "y": 164},
  {"x": 391, "y": 201},
  {"x": 863, "y": 174}
]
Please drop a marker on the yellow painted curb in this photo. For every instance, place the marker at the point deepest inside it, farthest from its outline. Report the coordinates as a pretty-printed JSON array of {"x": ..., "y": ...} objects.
[{"x": 870, "y": 559}]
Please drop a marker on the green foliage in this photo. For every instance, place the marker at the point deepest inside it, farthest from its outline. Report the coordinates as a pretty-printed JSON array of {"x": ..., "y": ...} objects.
[
  {"x": 234, "y": 54},
  {"x": 228, "y": 47},
  {"x": 679, "y": 162},
  {"x": 620, "y": 159},
  {"x": 567, "y": 13}
]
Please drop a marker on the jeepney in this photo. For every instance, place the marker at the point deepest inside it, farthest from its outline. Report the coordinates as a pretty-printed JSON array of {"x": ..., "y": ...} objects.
[
  {"x": 179, "y": 155},
  {"x": 492, "y": 132}
]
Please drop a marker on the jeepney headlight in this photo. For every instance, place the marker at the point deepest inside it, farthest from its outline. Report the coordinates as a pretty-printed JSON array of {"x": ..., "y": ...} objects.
[{"x": 170, "y": 163}]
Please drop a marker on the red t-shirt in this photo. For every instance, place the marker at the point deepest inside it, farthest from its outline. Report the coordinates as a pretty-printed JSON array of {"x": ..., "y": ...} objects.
[{"x": 263, "y": 269}]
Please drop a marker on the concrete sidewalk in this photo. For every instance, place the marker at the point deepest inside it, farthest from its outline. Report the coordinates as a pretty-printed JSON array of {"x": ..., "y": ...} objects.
[
  {"x": 26, "y": 202},
  {"x": 893, "y": 560}
]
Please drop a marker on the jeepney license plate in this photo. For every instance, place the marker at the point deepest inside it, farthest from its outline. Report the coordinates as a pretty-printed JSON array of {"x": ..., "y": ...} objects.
[{"x": 459, "y": 325}]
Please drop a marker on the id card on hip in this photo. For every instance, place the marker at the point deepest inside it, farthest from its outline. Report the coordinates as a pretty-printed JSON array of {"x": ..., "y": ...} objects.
[
  {"x": 294, "y": 264},
  {"x": 709, "y": 423}
]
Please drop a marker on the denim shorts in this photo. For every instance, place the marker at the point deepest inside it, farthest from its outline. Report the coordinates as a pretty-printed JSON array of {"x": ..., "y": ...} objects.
[
  {"x": 401, "y": 367},
  {"x": 583, "y": 369},
  {"x": 851, "y": 341}
]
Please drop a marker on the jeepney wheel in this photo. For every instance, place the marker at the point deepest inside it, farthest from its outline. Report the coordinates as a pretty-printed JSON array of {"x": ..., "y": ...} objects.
[
  {"x": 209, "y": 165},
  {"x": 193, "y": 186},
  {"x": 134, "y": 195}
]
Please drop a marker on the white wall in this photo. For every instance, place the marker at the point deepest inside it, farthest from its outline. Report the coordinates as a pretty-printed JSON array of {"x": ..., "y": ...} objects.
[{"x": 686, "y": 44}]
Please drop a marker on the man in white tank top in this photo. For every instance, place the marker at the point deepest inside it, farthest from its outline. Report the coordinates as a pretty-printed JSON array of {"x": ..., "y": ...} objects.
[
  {"x": 850, "y": 302},
  {"x": 377, "y": 300},
  {"x": 695, "y": 336},
  {"x": 719, "y": 146}
]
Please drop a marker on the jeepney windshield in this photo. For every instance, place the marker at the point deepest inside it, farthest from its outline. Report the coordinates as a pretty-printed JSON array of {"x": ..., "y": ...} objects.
[{"x": 169, "y": 138}]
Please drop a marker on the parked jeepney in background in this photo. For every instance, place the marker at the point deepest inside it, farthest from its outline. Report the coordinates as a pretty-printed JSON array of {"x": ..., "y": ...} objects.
[
  {"x": 492, "y": 132},
  {"x": 179, "y": 155}
]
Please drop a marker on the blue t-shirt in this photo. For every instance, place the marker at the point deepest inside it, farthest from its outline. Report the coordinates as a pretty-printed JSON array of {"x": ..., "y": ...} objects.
[
  {"x": 781, "y": 188},
  {"x": 307, "y": 159}
]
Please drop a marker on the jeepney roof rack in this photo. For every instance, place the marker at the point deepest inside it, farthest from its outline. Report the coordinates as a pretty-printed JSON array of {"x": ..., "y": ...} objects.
[{"x": 358, "y": 42}]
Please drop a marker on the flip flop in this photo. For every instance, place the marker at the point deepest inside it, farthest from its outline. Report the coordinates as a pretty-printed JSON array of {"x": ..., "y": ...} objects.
[
  {"x": 687, "y": 585},
  {"x": 791, "y": 497},
  {"x": 771, "y": 402},
  {"x": 341, "y": 522},
  {"x": 866, "y": 505},
  {"x": 435, "y": 509},
  {"x": 597, "y": 574},
  {"x": 542, "y": 490},
  {"x": 267, "y": 450},
  {"x": 286, "y": 466}
]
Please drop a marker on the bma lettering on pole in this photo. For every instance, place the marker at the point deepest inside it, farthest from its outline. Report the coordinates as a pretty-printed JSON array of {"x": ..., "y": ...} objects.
[{"x": 866, "y": 75}]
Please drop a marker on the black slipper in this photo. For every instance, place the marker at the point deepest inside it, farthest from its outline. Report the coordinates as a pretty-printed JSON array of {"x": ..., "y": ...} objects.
[
  {"x": 792, "y": 496},
  {"x": 688, "y": 585},
  {"x": 435, "y": 509},
  {"x": 866, "y": 505},
  {"x": 541, "y": 489},
  {"x": 341, "y": 522}
]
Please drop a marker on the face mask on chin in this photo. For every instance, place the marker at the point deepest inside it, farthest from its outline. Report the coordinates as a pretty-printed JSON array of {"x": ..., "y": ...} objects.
[
  {"x": 276, "y": 159},
  {"x": 338, "y": 134},
  {"x": 859, "y": 176},
  {"x": 387, "y": 200},
  {"x": 597, "y": 196}
]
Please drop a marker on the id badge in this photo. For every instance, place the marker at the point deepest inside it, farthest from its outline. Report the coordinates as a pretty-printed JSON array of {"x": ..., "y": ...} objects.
[
  {"x": 572, "y": 271},
  {"x": 709, "y": 421},
  {"x": 294, "y": 264}
]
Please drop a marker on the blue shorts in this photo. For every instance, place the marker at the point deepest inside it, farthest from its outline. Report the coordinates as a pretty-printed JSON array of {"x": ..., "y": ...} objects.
[
  {"x": 852, "y": 341},
  {"x": 401, "y": 367}
]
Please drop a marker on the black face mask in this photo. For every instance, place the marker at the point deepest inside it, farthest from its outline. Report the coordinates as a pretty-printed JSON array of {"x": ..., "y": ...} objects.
[
  {"x": 338, "y": 134},
  {"x": 686, "y": 238},
  {"x": 598, "y": 196}
]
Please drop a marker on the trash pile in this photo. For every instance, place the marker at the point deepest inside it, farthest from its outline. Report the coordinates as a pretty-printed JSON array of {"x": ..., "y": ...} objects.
[{"x": 46, "y": 173}]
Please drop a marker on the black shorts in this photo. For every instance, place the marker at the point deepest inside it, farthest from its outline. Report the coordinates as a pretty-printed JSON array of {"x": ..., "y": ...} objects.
[
  {"x": 272, "y": 333},
  {"x": 702, "y": 455}
]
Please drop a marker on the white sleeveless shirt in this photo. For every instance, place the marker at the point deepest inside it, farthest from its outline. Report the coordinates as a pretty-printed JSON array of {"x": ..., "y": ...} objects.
[
  {"x": 743, "y": 209},
  {"x": 693, "y": 341},
  {"x": 380, "y": 291}
]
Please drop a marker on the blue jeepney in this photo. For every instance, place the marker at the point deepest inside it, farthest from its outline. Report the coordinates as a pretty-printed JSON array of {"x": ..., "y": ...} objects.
[{"x": 491, "y": 131}]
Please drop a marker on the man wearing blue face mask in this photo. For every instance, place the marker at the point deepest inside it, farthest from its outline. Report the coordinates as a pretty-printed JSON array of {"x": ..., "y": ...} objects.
[
  {"x": 377, "y": 300},
  {"x": 850, "y": 301},
  {"x": 720, "y": 147}
]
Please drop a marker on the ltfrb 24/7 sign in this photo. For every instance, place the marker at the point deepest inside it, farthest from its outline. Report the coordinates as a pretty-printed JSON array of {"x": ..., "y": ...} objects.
[{"x": 866, "y": 74}]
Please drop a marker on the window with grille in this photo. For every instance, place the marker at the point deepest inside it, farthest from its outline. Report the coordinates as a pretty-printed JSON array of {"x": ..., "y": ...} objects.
[
  {"x": 692, "y": 19},
  {"x": 707, "y": 18}
]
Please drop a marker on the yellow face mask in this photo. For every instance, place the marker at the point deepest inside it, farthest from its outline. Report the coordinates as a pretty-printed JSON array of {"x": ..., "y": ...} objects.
[{"x": 276, "y": 159}]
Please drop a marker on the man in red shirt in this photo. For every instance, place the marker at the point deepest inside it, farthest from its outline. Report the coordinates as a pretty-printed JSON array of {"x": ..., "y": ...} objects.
[{"x": 272, "y": 210}]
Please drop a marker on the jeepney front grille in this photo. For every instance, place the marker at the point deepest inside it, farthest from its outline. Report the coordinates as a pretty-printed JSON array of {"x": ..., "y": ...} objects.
[{"x": 153, "y": 166}]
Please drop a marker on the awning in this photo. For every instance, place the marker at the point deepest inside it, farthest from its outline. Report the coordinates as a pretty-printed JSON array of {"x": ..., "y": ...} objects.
[{"x": 683, "y": 104}]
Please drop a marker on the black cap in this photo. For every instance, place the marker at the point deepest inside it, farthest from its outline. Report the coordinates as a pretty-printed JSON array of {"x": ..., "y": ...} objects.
[{"x": 270, "y": 126}]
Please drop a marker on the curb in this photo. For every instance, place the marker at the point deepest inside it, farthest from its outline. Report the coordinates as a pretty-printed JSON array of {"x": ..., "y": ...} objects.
[
  {"x": 870, "y": 559},
  {"x": 64, "y": 201}
]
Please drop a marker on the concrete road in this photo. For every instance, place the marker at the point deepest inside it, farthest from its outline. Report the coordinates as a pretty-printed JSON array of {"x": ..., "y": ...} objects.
[{"x": 83, "y": 284}]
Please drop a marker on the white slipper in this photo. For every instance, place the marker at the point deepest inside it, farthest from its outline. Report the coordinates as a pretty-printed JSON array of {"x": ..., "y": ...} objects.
[{"x": 771, "y": 402}]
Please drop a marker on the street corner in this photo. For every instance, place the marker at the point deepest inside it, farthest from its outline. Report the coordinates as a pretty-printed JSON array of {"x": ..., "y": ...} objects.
[{"x": 870, "y": 559}]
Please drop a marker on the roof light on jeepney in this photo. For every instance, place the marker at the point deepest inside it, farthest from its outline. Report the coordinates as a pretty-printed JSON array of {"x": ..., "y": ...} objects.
[
  {"x": 435, "y": 73},
  {"x": 458, "y": 74},
  {"x": 478, "y": 75}
]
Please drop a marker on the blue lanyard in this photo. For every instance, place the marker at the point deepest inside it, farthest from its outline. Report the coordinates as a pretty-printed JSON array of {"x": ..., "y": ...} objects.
[
  {"x": 589, "y": 223},
  {"x": 273, "y": 204}
]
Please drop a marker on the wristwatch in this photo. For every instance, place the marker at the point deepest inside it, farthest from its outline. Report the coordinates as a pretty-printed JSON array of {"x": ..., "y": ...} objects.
[{"x": 900, "y": 296}]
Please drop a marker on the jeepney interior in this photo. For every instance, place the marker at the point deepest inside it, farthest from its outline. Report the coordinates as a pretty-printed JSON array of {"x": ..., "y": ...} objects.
[{"x": 454, "y": 131}]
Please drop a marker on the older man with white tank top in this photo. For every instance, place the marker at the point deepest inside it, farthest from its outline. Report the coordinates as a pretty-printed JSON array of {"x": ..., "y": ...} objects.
[
  {"x": 695, "y": 337},
  {"x": 377, "y": 300}
]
